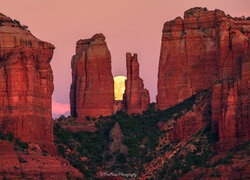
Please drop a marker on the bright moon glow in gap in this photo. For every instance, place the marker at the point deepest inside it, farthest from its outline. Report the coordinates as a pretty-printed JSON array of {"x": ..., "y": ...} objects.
[{"x": 119, "y": 87}]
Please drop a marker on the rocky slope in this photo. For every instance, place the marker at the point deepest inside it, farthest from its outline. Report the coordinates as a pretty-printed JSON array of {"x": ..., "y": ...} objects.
[
  {"x": 208, "y": 49},
  {"x": 136, "y": 97},
  {"x": 26, "y": 83},
  {"x": 201, "y": 130},
  {"x": 175, "y": 143},
  {"x": 92, "y": 88},
  {"x": 19, "y": 160}
]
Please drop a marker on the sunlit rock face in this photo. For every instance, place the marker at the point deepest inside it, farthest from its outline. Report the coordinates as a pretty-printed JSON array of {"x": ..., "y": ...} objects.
[
  {"x": 26, "y": 83},
  {"x": 119, "y": 87},
  {"x": 136, "y": 97},
  {"x": 208, "y": 49},
  {"x": 92, "y": 88}
]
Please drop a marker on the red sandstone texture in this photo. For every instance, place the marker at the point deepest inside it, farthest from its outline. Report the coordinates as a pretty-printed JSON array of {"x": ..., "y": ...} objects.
[
  {"x": 239, "y": 170},
  {"x": 18, "y": 165},
  {"x": 118, "y": 105},
  {"x": 208, "y": 49},
  {"x": 26, "y": 83},
  {"x": 26, "y": 87},
  {"x": 136, "y": 97},
  {"x": 190, "y": 122},
  {"x": 92, "y": 88}
]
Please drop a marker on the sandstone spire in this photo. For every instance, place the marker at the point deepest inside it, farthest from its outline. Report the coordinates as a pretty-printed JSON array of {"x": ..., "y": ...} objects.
[
  {"x": 136, "y": 97},
  {"x": 92, "y": 88}
]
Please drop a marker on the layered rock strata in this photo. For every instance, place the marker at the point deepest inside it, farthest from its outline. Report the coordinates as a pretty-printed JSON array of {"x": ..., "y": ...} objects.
[
  {"x": 26, "y": 83},
  {"x": 19, "y": 165},
  {"x": 208, "y": 49},
  {"x": 136, "y": 97},
  {"x": 92, "y": 88}
]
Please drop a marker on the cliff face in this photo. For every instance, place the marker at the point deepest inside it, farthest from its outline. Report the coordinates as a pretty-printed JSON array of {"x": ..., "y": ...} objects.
[
  {"x": 26, "y": 83},
  {"x": 208, "y": 49},
  {"x": 92, "y": 88},
  {"x": 26, "y": 87},
  {"x": 196, "y": 51},
  {"x": 136, "y": 97}
]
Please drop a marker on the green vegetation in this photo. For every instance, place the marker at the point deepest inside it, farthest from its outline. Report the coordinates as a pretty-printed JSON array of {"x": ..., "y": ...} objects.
[
  {"x": 15, "y": 23},
  {"x": 88, "y": 118},
  {"x": 180, "y": 164},
  {"x": 21, "y": 160},
  {"x": 8, "y": 137},
  {"x": 83, "y": 144},
  {"x": 141, "y": 136},
  {"x": 21, "y": 144},
  {"x": 17, "y": 142}
]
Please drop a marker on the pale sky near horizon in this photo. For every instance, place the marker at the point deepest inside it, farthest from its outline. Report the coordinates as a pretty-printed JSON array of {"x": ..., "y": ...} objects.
[{"x": 129, "y": 26}]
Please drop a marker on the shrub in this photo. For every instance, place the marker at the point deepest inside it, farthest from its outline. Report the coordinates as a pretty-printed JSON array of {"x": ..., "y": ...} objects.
[
  {"x": 10, "y": 136},
  {"x": 61, "y": 150},
  {"x": 21, "y": 160},
  {"x": 121, "y": 158},
  {"x": 21, "y": 144},
  {"x": 62, "y": 117},
  {"x": 2, "y": 136},
  {"x": 44, "y": 153}
]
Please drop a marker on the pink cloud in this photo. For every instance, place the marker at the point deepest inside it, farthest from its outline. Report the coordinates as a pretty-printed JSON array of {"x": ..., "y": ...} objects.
[{"x": 60, "y": 108}]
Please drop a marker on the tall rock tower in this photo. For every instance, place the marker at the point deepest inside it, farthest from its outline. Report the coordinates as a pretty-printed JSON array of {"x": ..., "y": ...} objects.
[
  {"x": 92, "y": 88},
  {"x": 136, "y": 97}
]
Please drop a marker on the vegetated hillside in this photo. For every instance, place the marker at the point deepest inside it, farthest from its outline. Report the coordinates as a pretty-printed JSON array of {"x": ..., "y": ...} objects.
[
  {"x": 152, "y": 152},
  {"x": 21, "y": 160}
]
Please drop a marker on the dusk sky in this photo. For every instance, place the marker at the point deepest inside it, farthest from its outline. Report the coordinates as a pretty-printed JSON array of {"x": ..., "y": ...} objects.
[{"x": 129, "y": 26}]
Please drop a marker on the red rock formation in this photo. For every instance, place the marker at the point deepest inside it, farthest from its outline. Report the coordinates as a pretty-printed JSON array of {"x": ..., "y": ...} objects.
[
  {"x": 118, "y": 106},
  {"x": 208, "y": 49},
  {"x": 136, "y": 97},
  {"x": 230, "y": 107},
  {"x": 92, "y": 89},
  {"x": 187, "y": 125},
  {"x": 26, "y": 83},
  {"x": 18, "y": 165},
  {"x": 190, "y": 122},
  {"x": 238, "y": 170},
  {"x": 193, "y": 51},
  {"x": 117, "y": 140}
]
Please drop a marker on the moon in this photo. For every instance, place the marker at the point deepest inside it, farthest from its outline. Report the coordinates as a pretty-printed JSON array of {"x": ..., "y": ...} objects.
[{"x": 119, "y": 87}]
